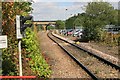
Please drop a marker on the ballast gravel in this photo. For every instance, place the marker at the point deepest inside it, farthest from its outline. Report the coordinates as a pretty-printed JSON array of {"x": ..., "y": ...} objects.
[{"x": 61, "y": 64}]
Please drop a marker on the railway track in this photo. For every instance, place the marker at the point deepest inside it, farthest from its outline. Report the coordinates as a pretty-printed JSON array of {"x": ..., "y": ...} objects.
[{"x": 83, "y": 58}]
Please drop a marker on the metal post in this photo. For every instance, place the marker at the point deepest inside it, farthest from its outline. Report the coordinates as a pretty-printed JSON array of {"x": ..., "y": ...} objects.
[
  {"x": 0, "y": 62},
  {"x": 0, "y": 35},
  {"x": 0, "y": 51},
  {"x": 20, "y": 59}
]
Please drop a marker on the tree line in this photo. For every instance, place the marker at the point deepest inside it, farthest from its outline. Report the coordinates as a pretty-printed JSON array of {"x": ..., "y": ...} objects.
[
  {"x": 96, "y": 16},
  {"x": 32, "y": 59}
]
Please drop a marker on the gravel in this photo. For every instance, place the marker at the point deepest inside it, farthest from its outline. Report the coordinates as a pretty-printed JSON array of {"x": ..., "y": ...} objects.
[
  {"x": 107, "y": 52},
  {"x": 61, "y": 64},
  {"x": 97, "y": 67}
]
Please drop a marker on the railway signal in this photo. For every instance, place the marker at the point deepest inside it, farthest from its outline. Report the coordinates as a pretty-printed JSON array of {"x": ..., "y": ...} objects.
[{"x": 22, "y": 24}]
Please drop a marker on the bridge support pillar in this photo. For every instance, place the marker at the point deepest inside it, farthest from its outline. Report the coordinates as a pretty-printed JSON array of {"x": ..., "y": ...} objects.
[
  {"x": 35, "y": 28},
  {"x": 44, "y": 27}
]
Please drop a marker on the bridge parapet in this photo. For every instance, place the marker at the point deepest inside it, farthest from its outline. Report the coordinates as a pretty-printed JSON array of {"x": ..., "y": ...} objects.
[{"x": 44, "y": 23}]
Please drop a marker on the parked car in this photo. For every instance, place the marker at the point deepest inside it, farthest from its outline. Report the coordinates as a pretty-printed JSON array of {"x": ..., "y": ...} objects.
[
  {"x": 77, "y": 33},
  {"x": 69, "y": 32},
  {"x": 64, "y": 32},
  {"x": 60, "y": 31}
]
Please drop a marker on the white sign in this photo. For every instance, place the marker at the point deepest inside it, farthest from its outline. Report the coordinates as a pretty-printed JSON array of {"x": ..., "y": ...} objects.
[
  {"x": 18, "y": 34},
  {"x": 3, "y": 41}
]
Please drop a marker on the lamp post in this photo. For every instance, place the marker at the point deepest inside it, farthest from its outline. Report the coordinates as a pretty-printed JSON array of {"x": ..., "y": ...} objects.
[{"x": 65, "y": 12}]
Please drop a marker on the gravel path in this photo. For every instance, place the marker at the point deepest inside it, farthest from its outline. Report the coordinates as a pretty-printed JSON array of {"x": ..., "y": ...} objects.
[{"x": 61, "y": 64}]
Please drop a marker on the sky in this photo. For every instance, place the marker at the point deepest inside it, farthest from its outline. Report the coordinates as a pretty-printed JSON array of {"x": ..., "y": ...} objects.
[{"x": 51, "y": 10}]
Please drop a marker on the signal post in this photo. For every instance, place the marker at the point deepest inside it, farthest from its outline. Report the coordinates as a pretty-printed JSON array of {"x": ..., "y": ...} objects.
[{"x": 21, "y": 25}]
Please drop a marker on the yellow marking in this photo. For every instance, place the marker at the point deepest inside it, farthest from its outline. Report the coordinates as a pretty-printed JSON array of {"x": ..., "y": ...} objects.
[{"x": 77, "y": 42}]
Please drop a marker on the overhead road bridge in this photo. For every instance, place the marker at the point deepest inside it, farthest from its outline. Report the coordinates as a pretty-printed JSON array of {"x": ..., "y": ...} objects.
[{"x": 44, "y": 24}]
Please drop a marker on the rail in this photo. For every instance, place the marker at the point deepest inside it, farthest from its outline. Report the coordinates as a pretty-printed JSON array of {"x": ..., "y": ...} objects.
[
  {"x": 77, "y": 61},
  {"x": 98, "y": 57}
]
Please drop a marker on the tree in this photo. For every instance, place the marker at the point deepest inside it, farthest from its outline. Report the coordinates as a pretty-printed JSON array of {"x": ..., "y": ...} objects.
[
  {"x": 76, "y": 22},
  {"x": 0, "y": 17},
  {"x": 98, "y": 15},
  {"x": 60, "y": 24},
  {"x": 119, "y": 13},
  {"x": 70, "y": 22},
  {"x": 10, "y": 55},
  {"x": 119, "y": 17}
]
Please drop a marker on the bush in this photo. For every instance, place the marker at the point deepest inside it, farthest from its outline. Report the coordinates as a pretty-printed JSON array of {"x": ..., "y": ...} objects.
[
  {"x": 50, "y": 27},
  {"x": 10, "y": 58},
  {"x": 37, "y": 63},
  {"x": 111, "y": 39}
]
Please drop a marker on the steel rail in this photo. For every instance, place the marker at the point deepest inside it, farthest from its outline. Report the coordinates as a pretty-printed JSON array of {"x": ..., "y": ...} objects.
[
  {"x": 117, "y": 67},
  {"x": 77, "y": 61}
]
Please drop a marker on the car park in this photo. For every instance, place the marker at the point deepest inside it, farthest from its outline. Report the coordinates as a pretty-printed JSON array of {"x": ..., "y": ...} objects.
[
  {"x": 63, "y": 32},
  {"x": 77, "y": 33},
  {"x": 69, "y": 31}
]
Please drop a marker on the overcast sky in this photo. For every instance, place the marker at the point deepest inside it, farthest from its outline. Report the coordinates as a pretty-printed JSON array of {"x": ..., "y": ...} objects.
[{"x": 46, "y": 10}]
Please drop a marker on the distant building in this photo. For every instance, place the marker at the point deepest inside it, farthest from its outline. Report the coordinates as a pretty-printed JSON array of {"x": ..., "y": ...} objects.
[{"x": 112, "y": 28}]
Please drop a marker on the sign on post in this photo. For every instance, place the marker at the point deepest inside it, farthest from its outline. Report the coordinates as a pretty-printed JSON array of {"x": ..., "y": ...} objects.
[
  {"x": 18, "y": 33},
  {"x": 3, "y": 41}
]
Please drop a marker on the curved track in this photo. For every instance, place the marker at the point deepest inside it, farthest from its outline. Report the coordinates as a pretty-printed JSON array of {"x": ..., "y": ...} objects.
[{"x": 77, "y": 60}]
